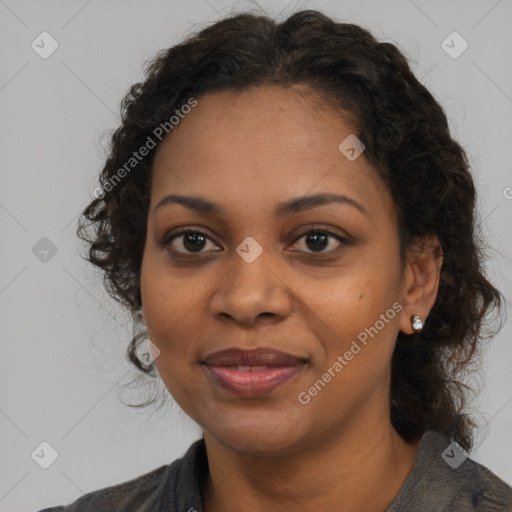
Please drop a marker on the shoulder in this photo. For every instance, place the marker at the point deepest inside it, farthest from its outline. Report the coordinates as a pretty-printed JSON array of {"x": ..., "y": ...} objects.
[
  {"x": 133, "y": 494},
  {"x": 165, "y": 488},
  {"x": 445, "y": 479},
  {"x": 481, "y": 490}
]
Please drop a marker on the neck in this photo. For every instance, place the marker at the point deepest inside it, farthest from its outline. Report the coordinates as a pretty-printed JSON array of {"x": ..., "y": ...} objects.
[{"x": 351, "y": 471}]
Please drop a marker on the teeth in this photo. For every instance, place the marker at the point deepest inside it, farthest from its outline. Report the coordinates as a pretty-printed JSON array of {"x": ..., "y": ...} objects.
[{"x": 241, "y": 368}]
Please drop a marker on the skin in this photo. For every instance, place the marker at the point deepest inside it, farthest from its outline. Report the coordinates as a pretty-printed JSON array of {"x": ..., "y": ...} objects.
[{"x": 248, "y": 151}]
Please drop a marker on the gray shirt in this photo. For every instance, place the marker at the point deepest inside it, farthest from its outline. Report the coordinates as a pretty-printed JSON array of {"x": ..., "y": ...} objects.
[{"x": 449, "y": 483}]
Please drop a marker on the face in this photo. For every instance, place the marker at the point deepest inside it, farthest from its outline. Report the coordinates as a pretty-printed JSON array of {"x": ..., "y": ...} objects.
[{"x": 308, "y": 281}]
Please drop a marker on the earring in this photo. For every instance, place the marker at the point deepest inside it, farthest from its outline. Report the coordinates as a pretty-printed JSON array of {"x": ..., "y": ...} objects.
[
  {"x": 139, "y": 323},
  {"x": 416, "y": 323}
]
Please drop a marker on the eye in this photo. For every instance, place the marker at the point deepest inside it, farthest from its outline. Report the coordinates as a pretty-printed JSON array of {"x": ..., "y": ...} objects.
[
  {"x": 187, "y": 241},
  {"x": 318, "y": 239}
]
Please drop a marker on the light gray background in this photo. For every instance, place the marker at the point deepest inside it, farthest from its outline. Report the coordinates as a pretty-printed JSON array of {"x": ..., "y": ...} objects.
[{"x": 63, "y": 339}]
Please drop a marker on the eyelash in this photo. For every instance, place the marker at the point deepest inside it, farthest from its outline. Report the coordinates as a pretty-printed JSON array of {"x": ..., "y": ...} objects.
[{"x": 170, "y": 237}]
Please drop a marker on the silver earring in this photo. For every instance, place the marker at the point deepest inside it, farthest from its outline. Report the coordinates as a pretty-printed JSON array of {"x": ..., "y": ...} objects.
[
  {"x": 139, "y": 323},
  {"x": 416, "y": 323}
]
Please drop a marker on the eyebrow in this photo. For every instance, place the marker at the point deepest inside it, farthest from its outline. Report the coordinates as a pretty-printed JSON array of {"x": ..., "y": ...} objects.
[{"x": 283, "y": 209}]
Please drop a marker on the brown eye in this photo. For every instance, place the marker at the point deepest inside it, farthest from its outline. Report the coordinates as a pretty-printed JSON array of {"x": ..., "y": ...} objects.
[
  {"x": 317, "y": 240},
  {"x": 187, "y": 241}
]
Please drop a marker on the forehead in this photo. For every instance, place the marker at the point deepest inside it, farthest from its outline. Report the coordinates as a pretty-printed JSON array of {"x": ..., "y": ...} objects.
[
  {"x": 262, "y": 143},
  {"x": 271, "y": 116}
]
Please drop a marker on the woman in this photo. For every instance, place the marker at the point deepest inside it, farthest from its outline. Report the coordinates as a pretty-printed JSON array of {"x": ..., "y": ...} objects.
[{"x": 285, "y": 205}]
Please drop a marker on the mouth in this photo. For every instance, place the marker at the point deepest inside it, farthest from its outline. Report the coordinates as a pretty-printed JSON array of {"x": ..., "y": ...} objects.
[{"x": 252, "y": 373}]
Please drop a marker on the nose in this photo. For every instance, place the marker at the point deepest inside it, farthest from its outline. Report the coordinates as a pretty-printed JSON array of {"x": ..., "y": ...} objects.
[{"x": 252, "y": 293}]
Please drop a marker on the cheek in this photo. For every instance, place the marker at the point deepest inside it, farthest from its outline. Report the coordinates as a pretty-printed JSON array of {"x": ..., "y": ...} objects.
[
  {"x": 170, "y": 321},
  {"x": 359, "y": 322},
  {"x": 176, "y": 311},
  {"x": 169, "y": 301},
  {"x": 359, "y": 325},
  {"x": 164, "y": 302},
  {"x": 354, "y": 299}
]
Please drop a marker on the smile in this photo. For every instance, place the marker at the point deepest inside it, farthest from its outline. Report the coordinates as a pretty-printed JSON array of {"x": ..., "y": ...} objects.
[{"x": 252, "y": 381}]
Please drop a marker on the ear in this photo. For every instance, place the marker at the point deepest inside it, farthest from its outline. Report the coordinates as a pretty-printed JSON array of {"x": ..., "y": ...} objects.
[{"x": 422, "y": 271}]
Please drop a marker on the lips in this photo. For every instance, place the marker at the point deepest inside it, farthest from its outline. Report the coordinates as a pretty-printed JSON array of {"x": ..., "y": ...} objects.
[
  {"x": 252, "y": 373},
  {"x": 256, "y": 357}
]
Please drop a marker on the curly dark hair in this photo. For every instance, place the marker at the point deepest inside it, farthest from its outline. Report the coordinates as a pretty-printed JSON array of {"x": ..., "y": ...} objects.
[{"x": 407, "y": 139}]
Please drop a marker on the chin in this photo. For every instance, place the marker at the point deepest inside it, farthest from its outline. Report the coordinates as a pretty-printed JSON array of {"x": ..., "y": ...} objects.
[{"x": 258, "y": 439}]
